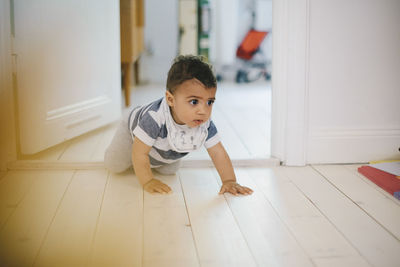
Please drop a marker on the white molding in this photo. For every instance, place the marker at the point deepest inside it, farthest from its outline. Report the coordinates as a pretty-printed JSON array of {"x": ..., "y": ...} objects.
[
  {"x": 77, "y": 107},
  {"x": 237, "y": 163},
  {"x": 54, "y": 165},
  {"x": 353, "y": 148},
  {"x": 290, "y": 81},
  {"x": 325, "y": 133},
  {"x": 355, "y": 145},
  {"x": 90, "y": 165},
  {"x": 279, "y": 79}
]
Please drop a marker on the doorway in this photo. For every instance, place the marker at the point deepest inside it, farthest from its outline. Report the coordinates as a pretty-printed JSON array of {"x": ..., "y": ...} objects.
[{"x": 242, "y": 111}]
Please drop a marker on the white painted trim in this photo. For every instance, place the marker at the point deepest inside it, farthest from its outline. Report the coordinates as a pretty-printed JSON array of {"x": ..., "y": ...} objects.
[
  {"x": 89, "y": 165},
  {"x": 356, "y": 145},
  {"x": 279, "y": 78},
  {"x": 237, "y": 163},
  {"x": 290, "y": 81},
  {"x": 354, "y": 132},
  {"x": 53, "y": 165},
  {"x": 354, "y": 149}
]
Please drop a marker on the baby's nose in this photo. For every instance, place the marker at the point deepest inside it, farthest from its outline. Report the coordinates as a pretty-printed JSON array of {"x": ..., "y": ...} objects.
[{"x": 201, "y": 109}]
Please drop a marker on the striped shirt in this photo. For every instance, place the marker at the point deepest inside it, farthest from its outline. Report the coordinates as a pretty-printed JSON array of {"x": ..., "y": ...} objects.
[{"x": 149, "y": 124}]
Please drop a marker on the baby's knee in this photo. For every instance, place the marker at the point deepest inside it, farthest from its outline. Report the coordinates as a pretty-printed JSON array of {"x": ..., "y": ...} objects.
[
  {"x": 169, "y": 169},
  {"x": 115, "y": 168},
  {"x": 113, "y": 164}
]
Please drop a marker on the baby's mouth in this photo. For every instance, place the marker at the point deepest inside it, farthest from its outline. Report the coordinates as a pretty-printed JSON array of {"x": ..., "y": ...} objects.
[{"x": 198, "y": 122}]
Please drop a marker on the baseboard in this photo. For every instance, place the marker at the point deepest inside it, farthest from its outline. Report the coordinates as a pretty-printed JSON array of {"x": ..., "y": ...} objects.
[
  {"x": 353, "y": 146},
  {"x": 72, "y": 165},
  {"x": 53, "y": 165},
  {"x": 261, "y": 162}
]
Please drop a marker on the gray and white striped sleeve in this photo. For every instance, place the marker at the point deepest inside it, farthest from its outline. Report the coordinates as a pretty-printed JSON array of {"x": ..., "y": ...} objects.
[
  {"x": 147, "y": 129},
  {"x": 212, "y": 137}
]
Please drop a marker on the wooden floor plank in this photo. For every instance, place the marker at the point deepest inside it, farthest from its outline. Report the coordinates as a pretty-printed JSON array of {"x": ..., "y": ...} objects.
[
  {"x": 71, "y": 233},
  {"x": 219, "y": 241},
  {"x": 354, "y": 169},
  {"x": 50, "y": 154},
  {"x": 270, "y": 241},
  {"x": 232, "y": 142},
  {"x": 256, "y": 141},
  {"x": 13, "y": 188},
  {"x": 363, "y": 195},
  {"x": 200, "y": 154},
  {"x": 23, "y": 234},
  {"x": 374, "y": 243},
  {"x": 318, "y": 237},
  {"x": 119, "y": 234},
  {"x": 230, "y": 139},
  {"x": 168, "y": 238},
  {"x": 342, "y": 262},
  {"x": 146, "y": 93},
  {"x": 83, "y": 147},
  {"x": 2, "y": 174},
  {"x": 246, "y": 110}
]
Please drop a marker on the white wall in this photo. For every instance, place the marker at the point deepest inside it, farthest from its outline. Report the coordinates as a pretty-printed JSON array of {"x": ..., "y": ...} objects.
[
  {"x": 354, "y": 80},
  {"x": 336, "y": 81},
  {"x": 161, "y": 39}
]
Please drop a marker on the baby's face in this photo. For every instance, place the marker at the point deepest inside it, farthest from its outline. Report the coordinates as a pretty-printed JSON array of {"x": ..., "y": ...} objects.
[{"x": 191, "y": 103}]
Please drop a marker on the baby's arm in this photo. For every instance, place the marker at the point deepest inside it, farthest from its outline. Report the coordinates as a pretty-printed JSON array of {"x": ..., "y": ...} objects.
[
  {"x": 141, "y": 165},
  {"x": 223, "y": 164}
]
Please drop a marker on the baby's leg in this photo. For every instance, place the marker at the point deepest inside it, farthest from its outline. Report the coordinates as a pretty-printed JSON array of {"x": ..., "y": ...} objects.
[
  {"x": 117, "y": 157},
  {"x": 169, "y": 169}
]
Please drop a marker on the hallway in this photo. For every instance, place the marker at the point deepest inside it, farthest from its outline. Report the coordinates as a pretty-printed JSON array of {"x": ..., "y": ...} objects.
[{"x": 242, "y": 114}]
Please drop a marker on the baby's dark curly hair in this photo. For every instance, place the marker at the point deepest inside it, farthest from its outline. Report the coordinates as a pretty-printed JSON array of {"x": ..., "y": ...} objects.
[{"x": 188, "y": 67}]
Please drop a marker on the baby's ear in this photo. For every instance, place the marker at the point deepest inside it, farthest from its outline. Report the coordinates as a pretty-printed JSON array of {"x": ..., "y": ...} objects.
[{"x": 170, "y": 98}]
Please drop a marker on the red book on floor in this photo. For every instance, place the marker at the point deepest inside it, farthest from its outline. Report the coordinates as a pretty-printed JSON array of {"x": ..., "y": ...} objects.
[{"x": 385, "y": 180}]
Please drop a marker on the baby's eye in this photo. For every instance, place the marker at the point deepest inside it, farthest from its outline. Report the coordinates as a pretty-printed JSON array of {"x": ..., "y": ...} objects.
[
  {"x": 210, "y": 102},
  {"x": 194, "y": 101}
]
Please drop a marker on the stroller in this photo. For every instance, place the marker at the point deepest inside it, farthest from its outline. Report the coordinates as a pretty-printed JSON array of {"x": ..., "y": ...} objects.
[{"x": 251, "y": 58}]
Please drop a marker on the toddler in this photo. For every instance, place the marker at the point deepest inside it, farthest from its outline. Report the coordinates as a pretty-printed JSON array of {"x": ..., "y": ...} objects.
[{"x": 158, "y": 135}]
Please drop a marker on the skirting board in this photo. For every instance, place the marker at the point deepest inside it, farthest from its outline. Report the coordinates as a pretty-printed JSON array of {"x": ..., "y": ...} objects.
[
  {"x": 358, "y": 147},
  {"x": 71, "y": 165}
]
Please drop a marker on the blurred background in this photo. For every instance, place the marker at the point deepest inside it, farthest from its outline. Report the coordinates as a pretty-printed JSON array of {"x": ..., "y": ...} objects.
[
  {"x": 335, "y": 78},
  {"x": 214, "y": 28},
  {"x": 72, "y": 68}
]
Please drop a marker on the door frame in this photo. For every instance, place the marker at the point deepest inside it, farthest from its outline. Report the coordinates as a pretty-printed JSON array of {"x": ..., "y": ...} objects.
[
  {"x": 289, "y": 82},
  {"x": 290, "y": 75}
]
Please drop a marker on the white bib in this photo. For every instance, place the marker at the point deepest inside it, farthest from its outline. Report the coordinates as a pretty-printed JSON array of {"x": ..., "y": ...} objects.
[{"x": 182, "y": 138}]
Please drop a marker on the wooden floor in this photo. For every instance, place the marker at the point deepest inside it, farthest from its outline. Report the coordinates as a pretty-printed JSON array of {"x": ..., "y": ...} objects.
[
  {"x": 297, "y": 216},
  {"x": 242, "y": 114}
]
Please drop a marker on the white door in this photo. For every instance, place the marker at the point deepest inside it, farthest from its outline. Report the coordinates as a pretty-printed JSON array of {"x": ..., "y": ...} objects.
[{"x": 68, "y": 69}]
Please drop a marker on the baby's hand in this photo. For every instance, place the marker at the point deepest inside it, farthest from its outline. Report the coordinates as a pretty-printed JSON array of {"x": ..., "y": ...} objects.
[
  {"x": 235, "y": 188},
  {"x": 156, "y": 186}
]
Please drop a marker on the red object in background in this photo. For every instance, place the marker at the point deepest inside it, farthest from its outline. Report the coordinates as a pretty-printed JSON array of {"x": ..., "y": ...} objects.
[
  {"x": 387, "y": 181},
  {"x": 250, "y": 44}
]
